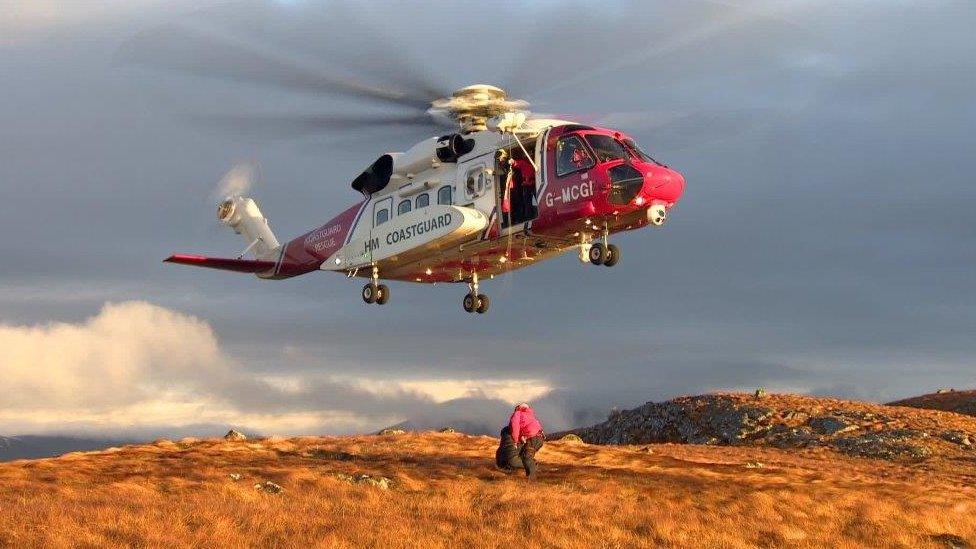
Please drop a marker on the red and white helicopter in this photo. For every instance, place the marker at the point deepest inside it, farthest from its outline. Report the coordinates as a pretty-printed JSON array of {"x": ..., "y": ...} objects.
[{"x": 502, "y": 192}]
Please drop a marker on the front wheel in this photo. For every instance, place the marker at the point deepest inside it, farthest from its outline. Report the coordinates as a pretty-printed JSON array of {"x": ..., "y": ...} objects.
[
  {"x": 483, "y": 304},
  {"x": 369, "y": 293},
  {"x": 469, "y": 303},
  {"x": 613, "y": 255},
  {"x": 598, "y": 253}
]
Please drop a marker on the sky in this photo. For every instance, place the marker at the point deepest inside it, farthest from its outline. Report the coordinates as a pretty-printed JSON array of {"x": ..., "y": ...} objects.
[{"x": 825, "y": 243}]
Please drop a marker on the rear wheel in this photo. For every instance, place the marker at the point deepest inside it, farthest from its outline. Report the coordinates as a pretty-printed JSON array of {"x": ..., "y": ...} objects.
[
  {"x": 613, "y": 255},
  {"x": 598, "y": 253},
  {"x": 483, "y": 304},
  {"x": 382, "y": 294},
  {"x": 369, "y": 293},
  {"x": 470, "y": 303}
]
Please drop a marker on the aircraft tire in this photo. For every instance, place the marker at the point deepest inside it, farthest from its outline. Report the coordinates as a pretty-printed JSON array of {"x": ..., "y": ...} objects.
[
  {"x": 469, "y": 303},
  {"x": 483, "y": 304},
  {"x": 383, "y": 294},
  {"x": 598, "y": 254},
  {"x": 613, "y": 256},
  {"x": 369, "y": 293}
]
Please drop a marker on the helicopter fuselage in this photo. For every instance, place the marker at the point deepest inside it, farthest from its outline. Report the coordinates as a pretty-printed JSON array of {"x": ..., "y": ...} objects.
[
  {"x": 448, "y": 221},
  {"x": 429, "y": 217}
]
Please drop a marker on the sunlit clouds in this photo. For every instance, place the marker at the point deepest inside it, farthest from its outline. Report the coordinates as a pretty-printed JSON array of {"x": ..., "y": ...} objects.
[{"x": 137, "y": 366}]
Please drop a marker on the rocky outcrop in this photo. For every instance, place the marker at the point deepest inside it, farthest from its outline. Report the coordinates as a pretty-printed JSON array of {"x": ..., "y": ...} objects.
[
  {"x": 785, "y": 421},
  {"x": 234, "y": 435}
]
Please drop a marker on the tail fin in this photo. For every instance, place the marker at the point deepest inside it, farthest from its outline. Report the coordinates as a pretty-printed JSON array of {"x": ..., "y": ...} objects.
[{"x": 243, "y": 215}]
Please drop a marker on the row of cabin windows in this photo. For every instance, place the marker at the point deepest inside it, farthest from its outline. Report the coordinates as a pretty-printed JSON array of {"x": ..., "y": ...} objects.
[{"x": 444, "y": 196}]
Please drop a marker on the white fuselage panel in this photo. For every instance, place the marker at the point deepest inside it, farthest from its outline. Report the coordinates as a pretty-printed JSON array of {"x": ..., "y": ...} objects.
[{"x": 416, "y": 232}]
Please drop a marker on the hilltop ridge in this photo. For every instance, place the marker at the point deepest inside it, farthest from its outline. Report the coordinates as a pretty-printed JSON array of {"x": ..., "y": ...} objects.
[
  {"x": 960, "y": 402},
  {"x": 789, "y": 421},
  {"x": 442, "y": 490}
]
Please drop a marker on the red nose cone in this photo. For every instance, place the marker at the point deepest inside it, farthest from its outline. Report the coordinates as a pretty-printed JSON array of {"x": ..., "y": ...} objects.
[{"x": 665, "y": 184}]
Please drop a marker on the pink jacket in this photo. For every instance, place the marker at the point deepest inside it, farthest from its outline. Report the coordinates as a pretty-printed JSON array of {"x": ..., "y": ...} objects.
[{"x": 524, "y": 424}]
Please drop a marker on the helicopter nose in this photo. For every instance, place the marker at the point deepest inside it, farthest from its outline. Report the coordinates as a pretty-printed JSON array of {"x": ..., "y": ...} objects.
[{"x": 664, "y": 184}]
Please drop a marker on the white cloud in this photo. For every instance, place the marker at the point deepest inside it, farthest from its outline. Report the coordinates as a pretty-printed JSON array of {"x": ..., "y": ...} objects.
[
  {"x": 136, "y": 366},
  {"x": 443, "y": 390},
  {"x": 130, "y": 352}
]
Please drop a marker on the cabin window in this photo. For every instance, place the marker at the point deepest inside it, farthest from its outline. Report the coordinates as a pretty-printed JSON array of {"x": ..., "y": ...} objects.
[
  {"x": 422, "y": 201},
  {"x": 572, "y": 156},
  {"x": 382, "y": 216},
  {"x": 444, "y": 195},
  {"x": 404, "y": 207},
  {"x": 474, "y": 183},
  {"x": 606, "y": 147}
]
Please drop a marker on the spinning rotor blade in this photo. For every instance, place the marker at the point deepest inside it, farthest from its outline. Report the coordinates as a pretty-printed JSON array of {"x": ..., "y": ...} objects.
[
  {"x": 290, "y": 125},
  {"x": 217, "y": 54},
  {"x": 675, "y": 131},
  {"x": 641, "y": 40},
  {"x": 238, "y": 181}
]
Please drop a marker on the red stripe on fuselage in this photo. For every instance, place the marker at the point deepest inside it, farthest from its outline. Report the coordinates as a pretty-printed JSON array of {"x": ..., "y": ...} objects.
[{"x": 307, "y": 252}]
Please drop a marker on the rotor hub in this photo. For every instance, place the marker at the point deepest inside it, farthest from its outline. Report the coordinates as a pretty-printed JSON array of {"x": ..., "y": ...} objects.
[{"x": 472, "y": 106}]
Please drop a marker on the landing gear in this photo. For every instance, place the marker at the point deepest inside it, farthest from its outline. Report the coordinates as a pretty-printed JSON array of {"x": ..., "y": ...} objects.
[
  {"x": 483, "y": 303},
  {"x": 474, "y": 302},
  {"x": 613, "y": 255},
  {"x": 600, "y": 253},
  {"x": 375, "y": 292},
  {"x": 370, "y": 292}
]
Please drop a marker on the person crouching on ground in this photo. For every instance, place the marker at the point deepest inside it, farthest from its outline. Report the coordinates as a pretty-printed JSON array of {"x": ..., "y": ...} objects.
[
  {"x": 507, "y": 455},
  {"x": 527, "y": 433}
]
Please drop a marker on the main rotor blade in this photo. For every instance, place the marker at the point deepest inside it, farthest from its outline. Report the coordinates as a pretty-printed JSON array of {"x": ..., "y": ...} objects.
[
  {"x": 642, "y": 40},
  {"x": 217, "y": 54},
  {"x": 285, "y": 125}
]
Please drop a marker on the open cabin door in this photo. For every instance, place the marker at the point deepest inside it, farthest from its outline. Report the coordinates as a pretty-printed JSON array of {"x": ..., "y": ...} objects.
[{"x": 522, "y": 183}]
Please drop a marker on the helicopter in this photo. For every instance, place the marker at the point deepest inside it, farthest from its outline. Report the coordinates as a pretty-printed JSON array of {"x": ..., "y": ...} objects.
[
  {"x": 488, "y": 184},
  {"x": 503, "y": 192}
]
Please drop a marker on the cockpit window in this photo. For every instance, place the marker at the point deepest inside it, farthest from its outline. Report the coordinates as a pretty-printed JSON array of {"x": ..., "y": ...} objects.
[
  {"x": 606, "y": 147},
  {"x": 639, "y": 152},
  {"x": 571, "y": 155}
]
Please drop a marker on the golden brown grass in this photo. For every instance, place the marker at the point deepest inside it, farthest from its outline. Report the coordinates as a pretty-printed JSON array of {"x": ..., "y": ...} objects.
[
  {"x": 962, "y": 402},
  {"x": 448, "y": 494}
]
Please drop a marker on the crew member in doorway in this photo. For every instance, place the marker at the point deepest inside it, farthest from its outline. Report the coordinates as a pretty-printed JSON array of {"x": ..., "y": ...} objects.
[
  {"x": 525, "y": 180},
  {"x": 504, "y": 163},
  {"x": 527, "y": 433}
]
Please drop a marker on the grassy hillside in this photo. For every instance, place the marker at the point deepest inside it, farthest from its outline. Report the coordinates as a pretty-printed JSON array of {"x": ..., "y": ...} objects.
[
  {"x": 445, "y": 492},
  {"x": 960, "y": 402}
]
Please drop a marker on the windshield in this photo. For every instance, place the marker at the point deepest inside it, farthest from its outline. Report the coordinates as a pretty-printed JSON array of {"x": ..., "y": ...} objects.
[
  {"x": 639, "y": 152},
  {"x": 606, "y": 147}
]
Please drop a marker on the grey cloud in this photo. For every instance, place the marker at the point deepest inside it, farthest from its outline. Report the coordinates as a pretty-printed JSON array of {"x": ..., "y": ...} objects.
[{"x": 824, "y": 242}]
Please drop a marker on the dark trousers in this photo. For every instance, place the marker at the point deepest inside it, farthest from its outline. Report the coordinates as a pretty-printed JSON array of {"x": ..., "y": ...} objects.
[
  {"x": 527, "y": 453},
  {"x": 528, "y": 209}
]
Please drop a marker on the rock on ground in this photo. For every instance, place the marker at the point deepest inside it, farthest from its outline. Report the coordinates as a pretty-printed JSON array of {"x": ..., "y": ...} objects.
[
  {"x": 783, "y": 421},
  {"x": 269, "y": 487}
]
